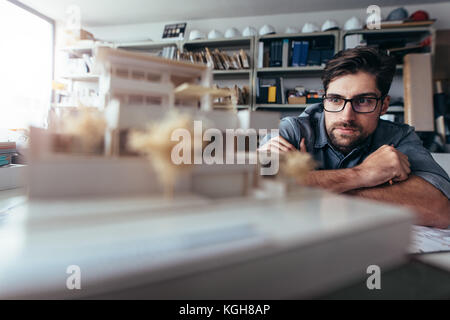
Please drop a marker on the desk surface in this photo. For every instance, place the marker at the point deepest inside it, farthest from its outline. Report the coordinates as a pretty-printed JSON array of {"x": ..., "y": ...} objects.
[{"x": 113, "y": 238}]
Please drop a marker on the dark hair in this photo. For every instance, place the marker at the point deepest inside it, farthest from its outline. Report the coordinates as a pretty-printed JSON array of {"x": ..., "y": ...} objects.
[{"x": 366, "y": 59}]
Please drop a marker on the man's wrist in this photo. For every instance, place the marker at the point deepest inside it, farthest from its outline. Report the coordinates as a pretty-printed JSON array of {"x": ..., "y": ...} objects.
[{"x": 359, "y": 177}]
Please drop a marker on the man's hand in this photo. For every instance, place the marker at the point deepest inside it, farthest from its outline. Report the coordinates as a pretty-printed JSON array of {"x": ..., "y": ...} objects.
[
  {"x": 383, "y": 165},
  {"x": 277, "y": 144}
]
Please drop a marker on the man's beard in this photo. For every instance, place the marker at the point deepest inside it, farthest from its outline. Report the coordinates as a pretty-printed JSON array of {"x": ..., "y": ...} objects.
[{"x": 346, "y": 143}]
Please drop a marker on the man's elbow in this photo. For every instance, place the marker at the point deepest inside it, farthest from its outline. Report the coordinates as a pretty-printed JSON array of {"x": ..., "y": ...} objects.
[{"x": 438, "y": 214}]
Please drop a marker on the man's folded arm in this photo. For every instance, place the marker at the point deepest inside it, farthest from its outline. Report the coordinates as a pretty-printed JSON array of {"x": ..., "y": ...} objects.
[{"x": 429, "y": 203}]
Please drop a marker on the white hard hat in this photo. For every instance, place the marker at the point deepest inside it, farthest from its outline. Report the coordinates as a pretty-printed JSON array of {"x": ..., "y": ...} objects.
[
  {"x": 214, "y": 34},
  {"x": 310, "y": 27},
  {"x": 232, "y": 33},
  {"x": 353, "y": 24},
  {"x": 249, "y": 31},
  {"x": 292, "y": 30},
  {"x": 329, "y": 24},
  {"x": 196, "y": 34},
  {"x": 266, "y": 29}
]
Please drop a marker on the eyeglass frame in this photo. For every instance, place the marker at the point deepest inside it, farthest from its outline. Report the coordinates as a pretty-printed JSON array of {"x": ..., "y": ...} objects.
[{"x": 351, "y": 103}]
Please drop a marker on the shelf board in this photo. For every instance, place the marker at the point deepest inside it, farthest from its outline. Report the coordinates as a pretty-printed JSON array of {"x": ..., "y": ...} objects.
[
  {"x": 396, "y": 109},
  {"x": 291, "y": 69},
  {"x": 82, "y": 77},
  {"x": 282, "y": 106},
  {"x": 219, "y": 42},
  {"x": 303, "y": 106},
  {"x": 387, "y": 30},
  {"x": 231, "y": 72},
  {"x": 299, "y": 35},
  {"x": 146, "y": 45},
  {"x": 85, "y": 46}
]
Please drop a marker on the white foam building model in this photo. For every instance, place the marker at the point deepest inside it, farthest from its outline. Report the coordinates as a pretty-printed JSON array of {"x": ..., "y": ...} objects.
[
  {"x": 137, "y": 89},
  {"x": 192, "y": 247}
]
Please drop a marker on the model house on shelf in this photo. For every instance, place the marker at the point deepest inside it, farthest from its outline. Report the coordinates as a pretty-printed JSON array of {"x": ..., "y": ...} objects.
[{"x": 89, "y": 154}]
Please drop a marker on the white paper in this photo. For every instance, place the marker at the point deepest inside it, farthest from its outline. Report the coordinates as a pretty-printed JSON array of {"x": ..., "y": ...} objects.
[{"x": 425, "y": 240}]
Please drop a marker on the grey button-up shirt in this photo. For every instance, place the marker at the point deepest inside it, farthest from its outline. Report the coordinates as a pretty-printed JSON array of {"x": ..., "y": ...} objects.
[{"x": 311, "y": 126}]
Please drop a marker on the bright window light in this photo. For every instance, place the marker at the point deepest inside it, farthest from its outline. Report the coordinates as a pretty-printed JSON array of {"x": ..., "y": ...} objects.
[{"x": 26, "y": 67}]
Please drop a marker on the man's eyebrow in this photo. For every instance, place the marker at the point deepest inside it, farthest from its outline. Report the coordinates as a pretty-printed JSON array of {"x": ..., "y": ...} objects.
[{"x": 358, "y": 95}]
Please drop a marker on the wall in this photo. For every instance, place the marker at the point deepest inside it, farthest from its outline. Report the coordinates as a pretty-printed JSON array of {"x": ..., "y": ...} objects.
[{"x": 153, "y": 31}]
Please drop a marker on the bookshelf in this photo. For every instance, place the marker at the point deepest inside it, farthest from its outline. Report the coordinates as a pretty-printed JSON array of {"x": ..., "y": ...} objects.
[
  {"x": 309, "y": 75},
  {"x": 152, "y": 47},
  {"x": 73, "y": 68},
  {"x": 388, "y": 38},
  {"x": 230, "y": 47},
  {"x": 292, "y": 75}
]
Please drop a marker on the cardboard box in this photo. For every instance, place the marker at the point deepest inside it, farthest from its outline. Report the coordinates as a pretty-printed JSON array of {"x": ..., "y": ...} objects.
[{"x": 297, "y": 100}]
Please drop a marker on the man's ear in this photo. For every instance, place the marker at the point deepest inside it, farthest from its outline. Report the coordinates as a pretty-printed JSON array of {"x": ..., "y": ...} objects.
[{"x": 385, "y": 105}]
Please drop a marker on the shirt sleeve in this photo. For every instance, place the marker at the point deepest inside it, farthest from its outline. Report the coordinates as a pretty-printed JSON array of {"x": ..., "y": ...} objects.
[
  {"x": 422, "y": 163},
  {"x": 289, "y": 130}
]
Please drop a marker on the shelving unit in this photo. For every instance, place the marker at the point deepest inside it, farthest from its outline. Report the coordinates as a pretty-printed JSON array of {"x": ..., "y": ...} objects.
[
  {"x": 308, "y": 74},
  {"x": 153, "y": 47},
  {"x": 289, "y": 73},
  {"x": 82, "y": 86},
  {"x": 229, "y": 77}
]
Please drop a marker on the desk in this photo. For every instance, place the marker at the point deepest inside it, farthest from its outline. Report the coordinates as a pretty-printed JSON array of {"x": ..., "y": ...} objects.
[{"x": 304, "y": 246}]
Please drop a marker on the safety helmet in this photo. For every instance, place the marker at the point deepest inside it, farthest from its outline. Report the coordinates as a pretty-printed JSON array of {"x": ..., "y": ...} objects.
[
  {"x": 196, "y": 34},
  {"x": 215, "y": 34},
  {"x": 353, "y": 24},
  {"x": 329, "y": 25},
  {"x": 397, "y": 14},
  {"x": 310, "y": 27},
  {"x": 292, "y": 30},
  {"x": 419, "y": 15},
  {"x": 232, "y": 33},
  {"x": 249, "y": 32},
  {"x": 266, "y": 29}
]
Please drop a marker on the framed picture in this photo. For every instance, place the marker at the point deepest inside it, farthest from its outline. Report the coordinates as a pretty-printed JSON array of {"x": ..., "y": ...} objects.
[{"x": 174, "y": 31}]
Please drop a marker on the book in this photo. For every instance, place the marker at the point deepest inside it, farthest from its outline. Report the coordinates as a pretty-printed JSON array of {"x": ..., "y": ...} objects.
[
  {"x": 314, "y": 58},
  {"x": 272, "y": 95},
  {"x": 266, "y": 59},
  {"x": 326, "y": 55},
  {"x": 276, "y": 48},
  {"x": 296, "y": 51},
  {"x": 304, "y": 53},
  {"x": 7, "y": 145},
  {"x": 244, "y": 59},
  {"x": 283, "y": 95},
  {"x": 260, "y": 54},
  {"x": 285, "y": 53}
]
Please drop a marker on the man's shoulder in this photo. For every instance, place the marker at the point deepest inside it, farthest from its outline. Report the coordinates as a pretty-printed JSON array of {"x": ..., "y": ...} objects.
[
  {"x": 394, "y": 127},
  {"x": 306, "y": 125},
  {"x": 310, "y": 115},
  {"x": 389, "y": 132}
]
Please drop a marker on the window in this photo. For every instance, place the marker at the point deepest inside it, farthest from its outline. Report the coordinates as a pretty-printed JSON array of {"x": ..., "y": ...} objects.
[{"x": 26, "y": 64}]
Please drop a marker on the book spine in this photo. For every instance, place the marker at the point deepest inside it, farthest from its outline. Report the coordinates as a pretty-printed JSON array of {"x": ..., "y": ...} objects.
[
  {"x": 272, "y": 95},
  {"x": 304, "y": 53},
  {"x": 295, "y": 53},
  {"x": 285, "y": 53},
  {"x": 260, "y": 54}
]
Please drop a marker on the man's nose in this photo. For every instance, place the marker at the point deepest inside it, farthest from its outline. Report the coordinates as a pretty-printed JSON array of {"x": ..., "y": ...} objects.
[{"x": 347, "y": 113}]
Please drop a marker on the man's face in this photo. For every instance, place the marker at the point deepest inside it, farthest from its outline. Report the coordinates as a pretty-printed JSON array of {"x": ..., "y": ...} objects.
[{"x": 348, "y": 129}]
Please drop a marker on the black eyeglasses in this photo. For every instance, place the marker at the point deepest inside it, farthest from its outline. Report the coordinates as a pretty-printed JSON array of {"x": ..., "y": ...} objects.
[{"x": 359, "y": 104}]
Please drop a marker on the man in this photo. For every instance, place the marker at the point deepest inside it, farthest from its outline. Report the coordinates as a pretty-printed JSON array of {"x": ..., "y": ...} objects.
[{"x": 360, "y": 154}]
